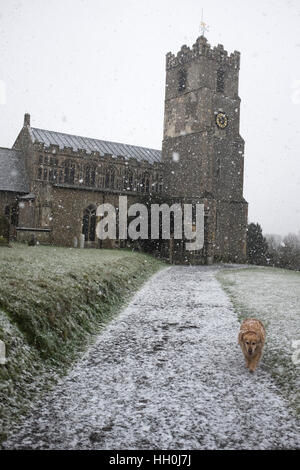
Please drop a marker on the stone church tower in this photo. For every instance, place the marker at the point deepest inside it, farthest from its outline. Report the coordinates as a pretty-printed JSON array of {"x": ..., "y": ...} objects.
[{"x": 202, "y": 149}]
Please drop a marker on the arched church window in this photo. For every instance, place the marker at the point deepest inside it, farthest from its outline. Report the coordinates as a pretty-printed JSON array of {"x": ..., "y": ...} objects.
[
  {"x": 72, "y": 174},
  {"x": 128, "y": 180},
  {"x": 112, "y": 178},
  {"x": 107, "y": 178},
  {"x": 145, "y": 183},
  {"x": 69, "y": 172},
  {"x": 87, "y": 175},
  {"x": 93, "y": 176},
  {"x": 139, "y": 182},
  {"x": 66, "y": 174},
  {"x": 160, "y": 184},
  {"x": 90, "y": 175},
  {"x": 89, "y": 223}
]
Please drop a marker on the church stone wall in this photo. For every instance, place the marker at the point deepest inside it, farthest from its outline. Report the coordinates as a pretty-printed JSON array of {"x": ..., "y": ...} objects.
[{"x": 230, "y": 240}]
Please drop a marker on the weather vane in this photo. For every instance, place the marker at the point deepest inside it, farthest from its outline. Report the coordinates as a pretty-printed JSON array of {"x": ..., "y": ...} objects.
[{"x": 203, "y": 26}]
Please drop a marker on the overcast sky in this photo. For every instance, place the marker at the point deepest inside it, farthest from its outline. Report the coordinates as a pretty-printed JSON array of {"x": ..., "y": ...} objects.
[{"x": 97, "y": 68}]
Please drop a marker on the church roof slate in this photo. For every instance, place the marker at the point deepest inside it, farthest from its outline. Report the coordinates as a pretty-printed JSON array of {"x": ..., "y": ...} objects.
[
  {"x": 13, "y": 176},
  {"x": 95, "y": 145}
]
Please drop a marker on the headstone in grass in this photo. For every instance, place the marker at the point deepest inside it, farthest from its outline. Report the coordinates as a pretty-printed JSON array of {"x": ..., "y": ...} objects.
[
  {"x": 4, "y": 230},
  {"x": 81, "y": 241},
  {"x": 32, "y": 240}
]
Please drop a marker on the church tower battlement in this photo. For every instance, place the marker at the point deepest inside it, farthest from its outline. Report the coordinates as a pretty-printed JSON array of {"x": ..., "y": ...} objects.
[{"x": 203, "y": 48}]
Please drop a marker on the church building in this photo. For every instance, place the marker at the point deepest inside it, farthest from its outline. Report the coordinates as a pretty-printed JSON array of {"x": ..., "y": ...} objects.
[{"x": 51, "y": 183}]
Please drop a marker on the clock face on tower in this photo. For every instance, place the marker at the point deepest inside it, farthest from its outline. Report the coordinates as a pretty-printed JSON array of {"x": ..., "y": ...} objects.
[{"x": 221, "y": 120}]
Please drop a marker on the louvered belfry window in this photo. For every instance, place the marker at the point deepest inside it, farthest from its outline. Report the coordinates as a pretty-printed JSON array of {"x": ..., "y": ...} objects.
[
  {"x": 182, "y": 80},
  {"x": 220, "y": 80}
]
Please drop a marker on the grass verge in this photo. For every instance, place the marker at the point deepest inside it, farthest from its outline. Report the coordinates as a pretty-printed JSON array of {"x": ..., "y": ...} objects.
[
  {"x": 53, "y": 303},
  {"x": 273, "y": 296}
]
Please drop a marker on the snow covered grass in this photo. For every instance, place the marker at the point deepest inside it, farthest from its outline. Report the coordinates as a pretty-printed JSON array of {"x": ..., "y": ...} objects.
[
  {"x": 53, "y": 301},
  {"x": 273, "y": 296},
  {"x": 166, "y": 373}
]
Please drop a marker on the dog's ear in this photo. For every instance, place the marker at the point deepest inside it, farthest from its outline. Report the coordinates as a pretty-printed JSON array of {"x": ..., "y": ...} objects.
[{"x": 241, "y": 336}]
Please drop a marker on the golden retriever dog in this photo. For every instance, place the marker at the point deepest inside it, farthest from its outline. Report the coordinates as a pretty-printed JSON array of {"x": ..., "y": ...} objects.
[{"x": 251, "y": 339}]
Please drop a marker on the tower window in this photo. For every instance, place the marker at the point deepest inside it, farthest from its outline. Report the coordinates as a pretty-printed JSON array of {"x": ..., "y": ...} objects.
[
  {"x": 87, "y": 179},
  {"x": 160, "y": 184},
  {"x": 93, "y": 176},
  {"x": 107, "y": 178},
  {"x": 89, "y": 223},
  {"x": 69, "y": 172},
  {"x": 145, "y": 185},
  {"x": 128, "y": 180},
  {"x": 112, "y": 178},
  {"x": 182, "y": 80},
  {"x": 66, "y": 174},
  {"x": 220, "y": 80},
  {"x": 72, "y": 174}
]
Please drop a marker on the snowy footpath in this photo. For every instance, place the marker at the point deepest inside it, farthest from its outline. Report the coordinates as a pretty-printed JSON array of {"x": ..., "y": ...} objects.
[{"x": 167, "y": 373}]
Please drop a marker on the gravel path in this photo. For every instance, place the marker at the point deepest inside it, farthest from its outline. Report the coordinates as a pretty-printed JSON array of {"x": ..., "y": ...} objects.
[{"x": 166, "y": 374}]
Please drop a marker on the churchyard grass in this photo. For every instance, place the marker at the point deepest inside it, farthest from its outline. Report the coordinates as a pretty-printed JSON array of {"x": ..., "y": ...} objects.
[
  {"x": 53, "y": 303},
  {"x": 273, "y": 296}
]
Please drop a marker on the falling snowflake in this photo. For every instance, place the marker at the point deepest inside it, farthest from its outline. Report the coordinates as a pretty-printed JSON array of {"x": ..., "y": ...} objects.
[{"x": 175, "y": 157}]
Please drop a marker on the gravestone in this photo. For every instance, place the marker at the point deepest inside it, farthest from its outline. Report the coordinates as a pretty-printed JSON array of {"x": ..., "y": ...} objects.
[
  {"x": 81, "y": 240},
  {"x": 4, "y": 230},
  {"x": 32, "y": 240}
]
